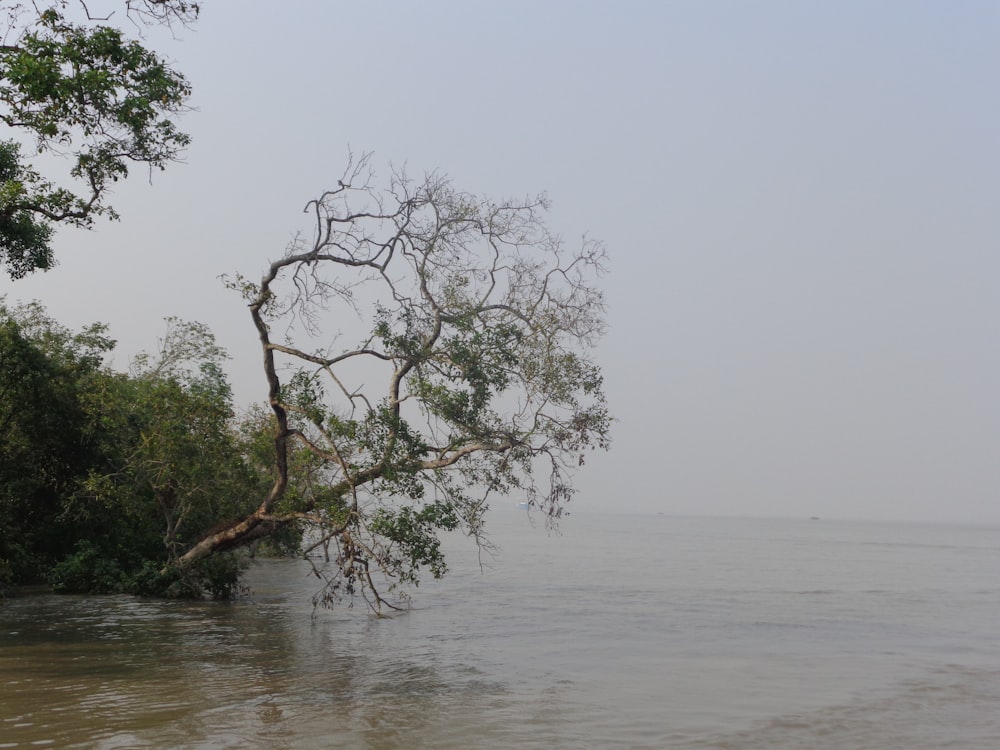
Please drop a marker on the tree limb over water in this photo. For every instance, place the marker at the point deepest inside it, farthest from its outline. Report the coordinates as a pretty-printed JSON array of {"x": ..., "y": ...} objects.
[{"x": 477, "y": 372}]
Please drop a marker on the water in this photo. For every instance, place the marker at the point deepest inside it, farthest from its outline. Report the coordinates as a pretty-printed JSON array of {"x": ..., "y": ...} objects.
[{"x": 622, "y": 632}]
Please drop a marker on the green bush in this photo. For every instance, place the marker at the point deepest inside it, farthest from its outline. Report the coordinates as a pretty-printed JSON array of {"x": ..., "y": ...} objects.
[{"x": 87, "y": 570}]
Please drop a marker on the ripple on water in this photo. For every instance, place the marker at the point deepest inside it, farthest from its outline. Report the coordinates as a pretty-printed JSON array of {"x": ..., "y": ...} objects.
[{"x": 730, "y": 636}]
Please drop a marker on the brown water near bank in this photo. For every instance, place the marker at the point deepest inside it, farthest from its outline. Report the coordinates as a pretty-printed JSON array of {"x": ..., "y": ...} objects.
[{"x": 621, "y": 632}]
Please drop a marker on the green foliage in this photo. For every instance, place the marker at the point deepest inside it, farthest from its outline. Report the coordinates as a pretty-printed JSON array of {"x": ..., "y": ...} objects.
[
  {"x": 43, "y": 371},
  {"x": 24, "y": 234},
  {"x": 185, "y": 458},
  {"x": 220, "y": 575},
  {"x": 386, "y": 436},
  {"x": 105, "y": 477},
  {"x": 217, "y": 576},
  {"x": 84, "y": 90},
  {"x": 87, "y": 570},
  {"x": 305, "y": 393},
  {"x": 411, "y": 538}
]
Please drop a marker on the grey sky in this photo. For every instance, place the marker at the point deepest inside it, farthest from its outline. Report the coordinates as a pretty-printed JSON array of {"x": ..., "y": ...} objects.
[{"x": 800, "y": 200}]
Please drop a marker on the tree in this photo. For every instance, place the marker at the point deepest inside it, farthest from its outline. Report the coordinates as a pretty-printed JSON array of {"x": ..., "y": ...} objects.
[
  {"x": 175, "y": 466},
  {"x": 483, "y": 324},
  {"x": 44, "y": 369},
  {"x": 83, "y": 90},
  {"x": 104, "y": 476}
]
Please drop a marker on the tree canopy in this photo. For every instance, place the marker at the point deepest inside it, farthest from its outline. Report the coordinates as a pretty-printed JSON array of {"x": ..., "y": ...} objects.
[
  {"x": 74, "y": 86},
  {"x": 474, "y": 379}
]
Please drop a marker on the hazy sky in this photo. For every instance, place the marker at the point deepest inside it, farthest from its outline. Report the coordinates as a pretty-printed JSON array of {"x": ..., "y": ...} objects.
[{"x": 801, "y": 201}]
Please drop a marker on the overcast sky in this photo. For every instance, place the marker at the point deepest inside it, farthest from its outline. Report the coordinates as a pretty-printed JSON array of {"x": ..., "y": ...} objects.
[{"x": 801, "y": 201}]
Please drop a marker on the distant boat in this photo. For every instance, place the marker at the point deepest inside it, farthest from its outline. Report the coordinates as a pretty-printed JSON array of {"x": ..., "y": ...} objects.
[
  {"x": 814, "y": 518},
  {"x": 524, "y": 506}
]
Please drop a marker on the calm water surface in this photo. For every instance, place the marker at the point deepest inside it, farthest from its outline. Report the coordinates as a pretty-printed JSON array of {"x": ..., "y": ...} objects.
[{"x": 622, "y": 632}]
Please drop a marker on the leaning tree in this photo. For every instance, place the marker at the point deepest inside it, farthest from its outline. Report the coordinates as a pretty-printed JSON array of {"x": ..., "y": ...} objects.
[{"x": 474, "y": 379}]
